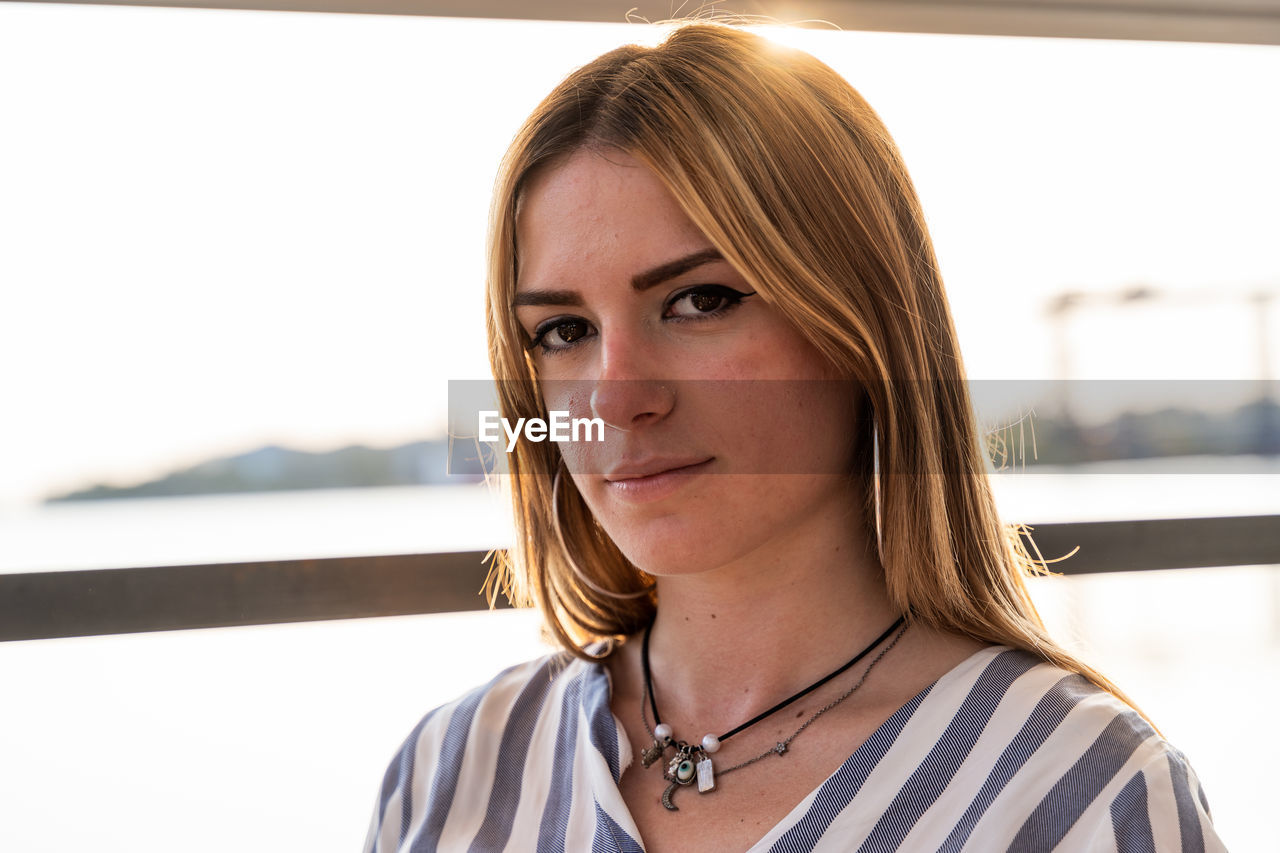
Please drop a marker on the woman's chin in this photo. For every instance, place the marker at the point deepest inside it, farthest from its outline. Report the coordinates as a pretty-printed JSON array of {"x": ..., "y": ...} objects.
[{"x": 675, "y": 555}]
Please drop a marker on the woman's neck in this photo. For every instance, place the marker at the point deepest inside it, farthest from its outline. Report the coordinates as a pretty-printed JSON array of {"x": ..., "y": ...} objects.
[{"x": 732, "y": 641}]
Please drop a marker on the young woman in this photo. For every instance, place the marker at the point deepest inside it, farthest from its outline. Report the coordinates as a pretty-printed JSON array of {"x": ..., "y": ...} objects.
[{"x": 792, "y": 617}]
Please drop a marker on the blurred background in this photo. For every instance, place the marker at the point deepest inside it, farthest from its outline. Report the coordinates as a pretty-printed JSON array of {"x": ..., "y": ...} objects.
[{"x": 241, "y": 257}]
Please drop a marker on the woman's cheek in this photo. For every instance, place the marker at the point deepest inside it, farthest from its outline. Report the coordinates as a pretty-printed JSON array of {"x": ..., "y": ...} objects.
[{"x": 583, "y": 442}]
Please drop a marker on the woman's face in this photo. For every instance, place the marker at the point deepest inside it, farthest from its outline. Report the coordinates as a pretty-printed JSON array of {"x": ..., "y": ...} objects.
[{"x": 725, "y": 429}]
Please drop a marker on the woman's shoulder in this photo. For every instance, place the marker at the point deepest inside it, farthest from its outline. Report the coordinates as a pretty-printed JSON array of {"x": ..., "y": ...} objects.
[
  {"x": 469, "y": 754},
  {"x": 1026, "y": 686},
  {"x": 1063, "y": 764},
  {"x": 1030, "y": 701}
]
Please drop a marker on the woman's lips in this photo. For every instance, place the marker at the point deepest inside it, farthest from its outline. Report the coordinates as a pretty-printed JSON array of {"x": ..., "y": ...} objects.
[{"x": 653, "y": 487}]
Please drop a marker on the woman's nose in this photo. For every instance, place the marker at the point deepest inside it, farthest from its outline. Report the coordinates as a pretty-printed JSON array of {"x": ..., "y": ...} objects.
[{"x": 631, "y": 389}]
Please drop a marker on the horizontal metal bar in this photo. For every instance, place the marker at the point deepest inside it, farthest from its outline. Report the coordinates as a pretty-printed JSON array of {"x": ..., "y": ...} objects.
[
  {"x": 1167, "y": 543},
  {"x": 43, "y": 605},
  {"x": 1238, "y": 21}
]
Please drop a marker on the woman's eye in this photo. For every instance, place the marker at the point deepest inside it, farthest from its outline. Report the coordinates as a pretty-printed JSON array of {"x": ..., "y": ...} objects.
[
  {"x": 704, "y": 301},
  {"x": 559, "y": 334}
]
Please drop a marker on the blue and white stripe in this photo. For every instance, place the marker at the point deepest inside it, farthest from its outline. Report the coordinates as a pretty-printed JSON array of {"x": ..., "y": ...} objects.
[{"x": 1005, "y": 752}]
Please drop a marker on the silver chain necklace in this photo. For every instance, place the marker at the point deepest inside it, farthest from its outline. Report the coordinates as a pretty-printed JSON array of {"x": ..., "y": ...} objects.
[{"x": 694, "y": 760}]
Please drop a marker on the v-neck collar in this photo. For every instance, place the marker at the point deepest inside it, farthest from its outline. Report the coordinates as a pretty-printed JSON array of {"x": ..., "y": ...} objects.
[{"x": 852, "y": 772}]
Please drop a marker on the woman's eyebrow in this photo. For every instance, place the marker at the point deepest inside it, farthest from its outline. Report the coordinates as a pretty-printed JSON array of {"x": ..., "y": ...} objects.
[
  {"x": 546, "y": 297},
  {"x": 639, "y": 282},
  {"x": 671, "y": 269}
]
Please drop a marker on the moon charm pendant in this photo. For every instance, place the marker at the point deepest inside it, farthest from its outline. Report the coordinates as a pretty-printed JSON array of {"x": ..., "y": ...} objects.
[
  {"x": 666, "y": 798},
  {"x": 680, "y": 772}
]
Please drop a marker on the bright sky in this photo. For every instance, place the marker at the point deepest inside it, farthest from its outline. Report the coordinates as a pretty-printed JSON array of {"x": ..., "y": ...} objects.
[{"x": 221, "y": 229}]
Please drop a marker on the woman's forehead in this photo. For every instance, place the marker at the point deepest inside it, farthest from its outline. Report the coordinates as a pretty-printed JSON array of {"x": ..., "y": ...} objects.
[{"x": 599, "y": 214}]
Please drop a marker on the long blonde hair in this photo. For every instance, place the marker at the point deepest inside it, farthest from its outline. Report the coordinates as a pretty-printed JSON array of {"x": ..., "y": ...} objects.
[{"x": 795, "y": 180}]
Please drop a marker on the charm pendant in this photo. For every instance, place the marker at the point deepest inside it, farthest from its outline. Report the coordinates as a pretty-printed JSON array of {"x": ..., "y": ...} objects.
[
  {"x": 666, "y": 798},
  {"x": 652, "y": 754},
  {"x": 680, "y": 772},
  {"x": 706, "y": 776}
]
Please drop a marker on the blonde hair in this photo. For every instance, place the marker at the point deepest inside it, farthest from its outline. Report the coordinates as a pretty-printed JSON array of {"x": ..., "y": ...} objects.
[{"x": 795, "y": 180}]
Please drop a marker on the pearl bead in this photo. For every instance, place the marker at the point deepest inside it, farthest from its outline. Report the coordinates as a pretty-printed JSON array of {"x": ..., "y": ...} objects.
[
  {"x": 662, "y": 731},
  {"x": 710, "y": 743}
]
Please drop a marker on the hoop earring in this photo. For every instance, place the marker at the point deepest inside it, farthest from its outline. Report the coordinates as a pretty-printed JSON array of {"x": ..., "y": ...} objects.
[
  {"x": 875, "y": 488},
  {"x": 582, "y": 576}
]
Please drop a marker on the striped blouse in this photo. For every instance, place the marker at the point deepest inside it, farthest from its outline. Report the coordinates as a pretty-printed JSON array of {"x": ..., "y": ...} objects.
[{"x": 1004, "y": 752}]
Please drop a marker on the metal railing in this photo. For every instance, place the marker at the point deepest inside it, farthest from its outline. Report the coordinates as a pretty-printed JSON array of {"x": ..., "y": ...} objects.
[{"x": 43, "y": 605}]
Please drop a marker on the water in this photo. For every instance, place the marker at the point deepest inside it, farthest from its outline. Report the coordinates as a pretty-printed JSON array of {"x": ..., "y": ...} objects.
[
  {"x": 248, "y": 527},
  {"x": 422, "y": 519}
]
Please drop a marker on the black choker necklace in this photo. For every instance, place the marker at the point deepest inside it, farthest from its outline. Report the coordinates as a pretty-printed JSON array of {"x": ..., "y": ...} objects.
[{"x": 692, "y": 760}]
